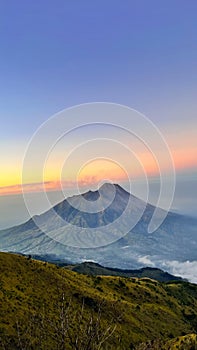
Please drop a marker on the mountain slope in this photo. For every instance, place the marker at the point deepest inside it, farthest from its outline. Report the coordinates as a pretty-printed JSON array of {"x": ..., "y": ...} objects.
[
  {"x": 175, "y": 239},
  {"x": 34, "y": 296}
]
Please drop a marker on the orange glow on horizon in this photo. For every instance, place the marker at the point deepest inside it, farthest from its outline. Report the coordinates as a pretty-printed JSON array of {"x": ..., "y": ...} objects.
[
  {"x": 99, "y": 170},
  {"x": 94, "y": 172},
  {"x": 184, "y": 159}
]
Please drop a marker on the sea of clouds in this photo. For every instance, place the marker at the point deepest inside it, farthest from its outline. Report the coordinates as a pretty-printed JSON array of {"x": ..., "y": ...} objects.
[{"x": 185, "y": 269}]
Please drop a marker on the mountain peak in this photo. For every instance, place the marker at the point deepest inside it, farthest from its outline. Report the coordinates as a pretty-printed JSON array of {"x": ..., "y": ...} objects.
[
  {"x": 107, "y": 186},
  {"x": 91, "y": 195}
]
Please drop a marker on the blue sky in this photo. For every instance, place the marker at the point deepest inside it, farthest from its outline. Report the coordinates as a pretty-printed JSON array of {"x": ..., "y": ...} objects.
[{"x": 56, "y": 54}]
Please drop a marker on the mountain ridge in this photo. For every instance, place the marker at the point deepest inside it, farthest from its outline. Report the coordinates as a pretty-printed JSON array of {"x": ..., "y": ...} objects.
[{"x": 95, "y": 269}]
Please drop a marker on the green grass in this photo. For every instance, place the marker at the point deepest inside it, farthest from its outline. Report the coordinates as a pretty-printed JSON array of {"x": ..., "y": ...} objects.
[
  {"x": 188, "y": 341},
  {"x": 33, "y": 295}
]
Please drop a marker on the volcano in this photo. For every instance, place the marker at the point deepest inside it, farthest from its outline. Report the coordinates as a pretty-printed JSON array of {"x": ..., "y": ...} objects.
[{"x": 108, "y": 226}]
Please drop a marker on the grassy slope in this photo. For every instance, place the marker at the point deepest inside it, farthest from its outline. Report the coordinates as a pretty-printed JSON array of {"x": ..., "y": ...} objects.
[{"x": 144, "y": 309}]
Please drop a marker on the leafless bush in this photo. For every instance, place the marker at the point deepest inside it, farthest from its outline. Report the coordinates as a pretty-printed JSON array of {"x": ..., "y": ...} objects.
[{"x": 76, "y": 328}]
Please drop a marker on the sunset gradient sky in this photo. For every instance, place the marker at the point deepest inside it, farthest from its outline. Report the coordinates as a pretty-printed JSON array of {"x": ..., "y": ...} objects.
[{"x": 54, "y": 55}]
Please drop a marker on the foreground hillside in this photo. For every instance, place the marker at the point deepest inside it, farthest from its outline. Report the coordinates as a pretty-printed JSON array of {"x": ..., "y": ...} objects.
[{"x": 47, "y": 307}]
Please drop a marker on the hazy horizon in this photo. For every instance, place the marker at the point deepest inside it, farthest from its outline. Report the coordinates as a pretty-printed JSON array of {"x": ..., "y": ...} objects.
[{"x": 14, "y": 211}]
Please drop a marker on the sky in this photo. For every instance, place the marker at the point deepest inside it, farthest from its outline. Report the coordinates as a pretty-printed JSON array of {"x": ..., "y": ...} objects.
[{"x": 55, "y": 55}]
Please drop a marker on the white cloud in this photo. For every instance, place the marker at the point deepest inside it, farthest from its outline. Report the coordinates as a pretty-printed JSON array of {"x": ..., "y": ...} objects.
[
  {"x": 186, "y": 269},
  {"x": 146, "y": 261}
]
